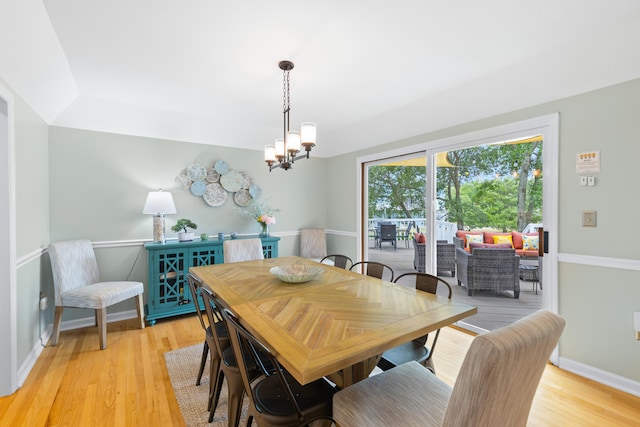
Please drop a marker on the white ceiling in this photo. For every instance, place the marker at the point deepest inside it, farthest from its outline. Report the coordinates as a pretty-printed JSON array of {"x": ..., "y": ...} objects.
[{"x": 367, "y": 72}]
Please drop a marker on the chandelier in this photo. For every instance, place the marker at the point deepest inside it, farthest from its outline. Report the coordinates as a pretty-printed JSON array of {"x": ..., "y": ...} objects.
[{"x": 285, "y": 150}]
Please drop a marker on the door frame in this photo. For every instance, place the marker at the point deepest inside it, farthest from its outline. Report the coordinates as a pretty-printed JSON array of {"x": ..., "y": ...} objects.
[
  {"x": 547, "y": 126},
  {"x": 8, "y": 304}
]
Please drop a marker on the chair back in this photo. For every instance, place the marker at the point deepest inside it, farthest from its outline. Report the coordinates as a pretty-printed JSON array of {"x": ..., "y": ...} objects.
[
  {"x": 238, "y": 250},
  {"x": 374, "y": 269},
  {"x": 212, "y": 308},
  {"x": 251, "y": 355},
  {"x": 341, "y": 261},
  {"x": 313, "y": 243},
  {"x": 194, "y": 287},
  {"x": 388, "y": 231},
  {"x": 425, "y": 282},
  {"x": 74, "y": 265},
  {"x": 501, "y": 372}
]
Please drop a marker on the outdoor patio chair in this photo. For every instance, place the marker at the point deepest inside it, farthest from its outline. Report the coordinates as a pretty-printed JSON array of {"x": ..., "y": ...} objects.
[
  {"x": 416, "y": 349},
  {"x": 490, "y": 269},
  {"x": 407, "y": 235},
  {"x": 388, "y": 233},
  {"x": 495, "y": 387},
  {"x": 419, "y": 256},
  {"x": 446, "y": 257}
]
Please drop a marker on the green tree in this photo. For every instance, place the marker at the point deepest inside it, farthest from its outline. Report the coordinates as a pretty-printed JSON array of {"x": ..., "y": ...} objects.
[
  {"x": 521, "y": 162},
  {"x": 396, "y": 191}
]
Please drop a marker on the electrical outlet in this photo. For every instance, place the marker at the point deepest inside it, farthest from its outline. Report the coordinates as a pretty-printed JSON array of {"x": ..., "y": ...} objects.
[
  {"x": 588, "y": 218},
  {"x": 44, "y": 303}
]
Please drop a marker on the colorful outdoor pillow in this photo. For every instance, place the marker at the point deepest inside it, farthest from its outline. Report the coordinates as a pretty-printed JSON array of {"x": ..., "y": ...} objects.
[
  {"x": 530, "y": 243},
  {"x": 475, "y": 245},
  {"x": 503, "y": 239},
  {"x": 477, "y": 238},
  {"x": 421, "y": 238}
]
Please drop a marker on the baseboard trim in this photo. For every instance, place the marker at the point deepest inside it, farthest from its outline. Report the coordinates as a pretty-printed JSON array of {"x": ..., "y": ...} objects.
[
  {"x": 607, "y": 378},
  {"x": 29, "y": 362},
  {"x": 91, "y": 320}
]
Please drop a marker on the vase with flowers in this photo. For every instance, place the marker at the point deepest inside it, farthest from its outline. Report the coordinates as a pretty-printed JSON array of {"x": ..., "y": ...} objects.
[{"x": 263, "y": 215}]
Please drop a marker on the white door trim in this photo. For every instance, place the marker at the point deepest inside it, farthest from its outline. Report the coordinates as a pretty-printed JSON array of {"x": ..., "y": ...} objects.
[
  {"x": 548, "y": 126},
  {"x": 8, "y": 304}
]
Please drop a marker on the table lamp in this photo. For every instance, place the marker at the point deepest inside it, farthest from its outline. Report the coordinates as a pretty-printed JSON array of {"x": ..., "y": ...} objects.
[{"x": 159, "y": 203}]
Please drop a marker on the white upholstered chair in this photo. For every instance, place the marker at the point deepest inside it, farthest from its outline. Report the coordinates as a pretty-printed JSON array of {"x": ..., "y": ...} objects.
[
  {"x": 495, "y": 387},
  {"x": 313, "y": 243},
  {"x": 239, "y": 250},
  {"x": 77, "y": 284}
]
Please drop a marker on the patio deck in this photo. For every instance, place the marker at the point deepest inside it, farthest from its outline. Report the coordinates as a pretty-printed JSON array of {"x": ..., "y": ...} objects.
[{"x": 494, "y": 310}]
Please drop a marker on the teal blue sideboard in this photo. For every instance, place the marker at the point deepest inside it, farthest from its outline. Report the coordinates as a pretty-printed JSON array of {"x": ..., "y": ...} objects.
[{"x": 167, "y": 268}]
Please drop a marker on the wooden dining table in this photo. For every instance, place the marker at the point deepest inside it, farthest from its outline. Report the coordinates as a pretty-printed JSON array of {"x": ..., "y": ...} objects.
[{"x": 334, "y": 326}]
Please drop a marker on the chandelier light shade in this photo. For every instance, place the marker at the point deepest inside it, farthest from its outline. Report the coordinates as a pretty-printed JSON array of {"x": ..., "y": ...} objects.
[
  {"x": 285, "y": 151},
  {"x": 159, "y": 203}
]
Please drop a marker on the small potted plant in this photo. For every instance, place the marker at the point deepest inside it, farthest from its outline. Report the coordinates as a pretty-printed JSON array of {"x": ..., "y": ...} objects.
[{"x": 182, "y": 228}]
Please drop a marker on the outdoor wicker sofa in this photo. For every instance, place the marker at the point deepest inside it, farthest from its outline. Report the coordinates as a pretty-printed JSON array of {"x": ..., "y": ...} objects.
[{"x": 488, "y": 268}]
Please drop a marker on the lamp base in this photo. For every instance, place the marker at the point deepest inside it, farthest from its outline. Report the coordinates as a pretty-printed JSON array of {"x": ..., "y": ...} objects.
[{"x": 158, "y": 229}]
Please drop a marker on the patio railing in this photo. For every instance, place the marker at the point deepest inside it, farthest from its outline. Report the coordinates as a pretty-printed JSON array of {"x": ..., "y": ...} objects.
[{"x": 444, "y": 230}]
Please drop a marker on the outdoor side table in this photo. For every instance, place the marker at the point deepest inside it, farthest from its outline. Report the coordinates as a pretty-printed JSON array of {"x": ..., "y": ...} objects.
[{"x": 529, "y": 273}]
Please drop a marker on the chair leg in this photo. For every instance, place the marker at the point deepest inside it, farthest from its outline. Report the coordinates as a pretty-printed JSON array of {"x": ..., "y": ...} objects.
[
  {"x": 140, "y": 310},
  {"x": 57, "y": 320},
  {"x": 214, "y": 394},
  {"x": 203, "y": 361},
  {"x": 101, "y": 315},
  {"x": 236, "y": 393}
]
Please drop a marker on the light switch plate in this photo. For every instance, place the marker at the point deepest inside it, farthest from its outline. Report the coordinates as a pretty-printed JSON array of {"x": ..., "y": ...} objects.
[{"x": 588, "y": 218}]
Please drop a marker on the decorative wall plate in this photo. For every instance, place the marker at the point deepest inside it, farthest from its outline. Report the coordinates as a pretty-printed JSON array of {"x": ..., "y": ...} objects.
[
  {"x": 242, "y": 198},
  {"x": 255, "y": 191},
  {"x": 221, "y": 167},
  {"x": 215, "y": 195},
  {"x": 198, "y": 188},
  {"x": 247, "y": 180},
  {"x": 183, "y": 180},
  {"x": 212, "y": 175},
  {"x": 232, "y": 181},
  {"x": 196, "y": 172}
]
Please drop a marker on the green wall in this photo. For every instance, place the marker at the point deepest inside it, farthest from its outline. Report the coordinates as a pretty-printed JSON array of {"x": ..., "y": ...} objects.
[
  {"x": 99, "y": 183},
  {"x": 599, "y": 331},
  {"x": 32, "y": 225}
]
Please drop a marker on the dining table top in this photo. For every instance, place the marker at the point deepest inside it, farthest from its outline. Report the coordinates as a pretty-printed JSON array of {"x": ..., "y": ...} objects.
[{"x": 331, "y": 324}]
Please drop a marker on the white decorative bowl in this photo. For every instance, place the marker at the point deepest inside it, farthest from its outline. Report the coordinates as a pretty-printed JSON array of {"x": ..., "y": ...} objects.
[{"x": 296, "y": 273}]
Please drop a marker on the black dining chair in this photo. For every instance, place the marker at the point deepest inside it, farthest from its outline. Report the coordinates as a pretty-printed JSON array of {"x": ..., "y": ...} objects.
[
  {"x": 337, "y": 260},
  {"x": 276, "y": 398},
  {"x": 416, "y": 349},
  {"x": 209, "y": 346},
  {"x": 374, "y": 269},
  {"x": 227, "y": 366}
]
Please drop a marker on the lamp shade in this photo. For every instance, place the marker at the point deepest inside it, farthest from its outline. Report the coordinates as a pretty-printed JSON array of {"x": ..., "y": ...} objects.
[{"x": 159, "y": 203}]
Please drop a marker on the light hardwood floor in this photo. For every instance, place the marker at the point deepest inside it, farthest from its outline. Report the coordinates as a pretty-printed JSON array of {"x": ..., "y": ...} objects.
[{"x": 76, "y": 384}]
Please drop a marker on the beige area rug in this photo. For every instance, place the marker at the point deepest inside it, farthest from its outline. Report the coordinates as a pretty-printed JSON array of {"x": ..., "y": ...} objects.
[{"x": 183, "y": 365}]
